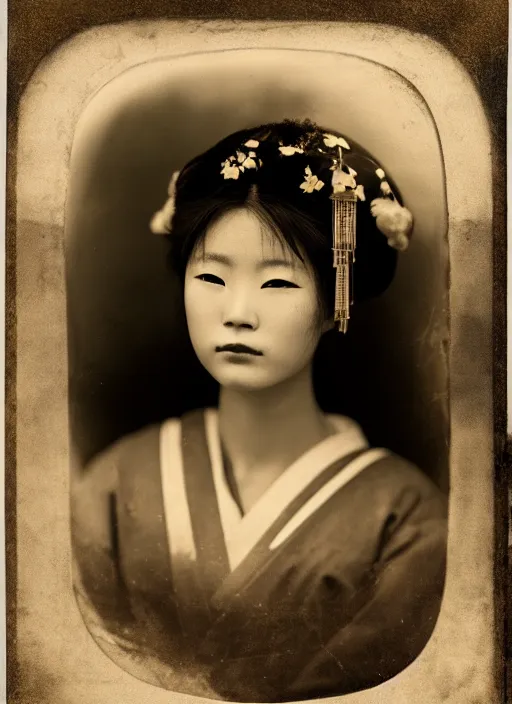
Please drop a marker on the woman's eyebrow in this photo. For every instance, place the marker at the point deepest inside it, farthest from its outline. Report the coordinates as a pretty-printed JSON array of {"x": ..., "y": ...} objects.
[
  {"x": 263, "y": 264},
  {"x": 215, "y": 257},
  {"x": 267, "y": 263}
]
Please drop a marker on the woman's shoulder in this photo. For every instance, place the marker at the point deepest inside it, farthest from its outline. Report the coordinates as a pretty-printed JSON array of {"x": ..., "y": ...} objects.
[
  {"x": 401, "y": 486},
  {"x": 390, "y": 508},
  {"x": 100, "y": 475},
  {"x": 128, "y": 443},
  {"x": 95, "y": 490},
  {"x": 385, "y": 470},
  {"x": 129, "y": 447},
  {"x": 392, "y": 468},
  {"x": 135, "y": 448}
]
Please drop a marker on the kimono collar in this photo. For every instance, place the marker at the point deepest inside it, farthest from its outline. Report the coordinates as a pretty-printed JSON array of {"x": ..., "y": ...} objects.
[{"x": 242, "y": 532}]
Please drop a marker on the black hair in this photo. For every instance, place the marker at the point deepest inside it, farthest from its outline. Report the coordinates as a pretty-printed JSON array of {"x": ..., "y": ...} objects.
[{"x": 303, "y": 220}]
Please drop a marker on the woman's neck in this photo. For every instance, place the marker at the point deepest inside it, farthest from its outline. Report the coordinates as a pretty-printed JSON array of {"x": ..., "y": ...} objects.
[{"x": 264, "y": 431}]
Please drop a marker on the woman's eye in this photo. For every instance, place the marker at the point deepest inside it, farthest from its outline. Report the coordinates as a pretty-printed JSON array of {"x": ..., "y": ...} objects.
[
  {"x": 279, "y": 283},
  {"x": 211, "y": 279}
]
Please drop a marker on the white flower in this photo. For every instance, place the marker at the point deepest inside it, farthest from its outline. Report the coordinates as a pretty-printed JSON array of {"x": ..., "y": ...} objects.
[
  {"x": 249, "y": 163},
  {"x": 399, "y": 242},
  {"x": 171, "y": 189},
  {"x": 330, "y": 140},
  {"x": 341, "y": 181},
  {"x": 289, "y": 151},
  {"x": 230, "y": 171},
  {"x": 359, "y": 191},
  {"x": 252, "y": 144},
  {"x": 311, "y": 183},
  {"x": 393, "y": 220},
  {"x": 380, "y": 173},
  {"x": 162, "y": 220},
  {"x": 385, "y": 188}
]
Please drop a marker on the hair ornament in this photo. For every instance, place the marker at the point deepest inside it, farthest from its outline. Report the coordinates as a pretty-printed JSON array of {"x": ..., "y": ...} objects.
[
  {"x": 342, "y": 180},
  {"x": 290, "y": 151},
  {"x": 392, "y": 219},
  {"x": 359, "y": 191},
  {"x": 311, "y": 182},
  {"x": 331, "y": 141},
  {"x": 230, "y": 170},
  {"x": 233, "y": 166},
  {"x": 344, "y": 200},
  {"x": 161, "y": 221}
]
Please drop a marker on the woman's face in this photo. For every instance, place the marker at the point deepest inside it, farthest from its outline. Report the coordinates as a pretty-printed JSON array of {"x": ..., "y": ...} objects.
[{"x": 252, "y": 306}]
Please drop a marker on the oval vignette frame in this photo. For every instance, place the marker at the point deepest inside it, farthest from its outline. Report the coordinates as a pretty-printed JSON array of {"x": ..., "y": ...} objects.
[{"x": 457, "y": 664}]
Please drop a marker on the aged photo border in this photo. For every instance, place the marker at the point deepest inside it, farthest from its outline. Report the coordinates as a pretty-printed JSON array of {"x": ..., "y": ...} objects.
[{"x": 498, "y": 359}]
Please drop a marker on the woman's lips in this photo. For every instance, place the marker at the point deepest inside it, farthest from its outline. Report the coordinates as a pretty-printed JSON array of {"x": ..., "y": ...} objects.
[{"x": 238, "y": 349}]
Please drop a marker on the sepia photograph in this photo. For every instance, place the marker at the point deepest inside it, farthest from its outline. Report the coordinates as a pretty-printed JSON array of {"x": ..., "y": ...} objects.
[{"x": 255, "y": 451}]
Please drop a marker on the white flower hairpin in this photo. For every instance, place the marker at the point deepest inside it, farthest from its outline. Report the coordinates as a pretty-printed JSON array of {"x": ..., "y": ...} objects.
[
  {"x": 392, "y": 219},
  {"x": 290, "y": 151},
  {"x": 331, "y": 141},
  {"x": 233, "y": 166},
  {"x": 343, "y": 179},
  {"x": 161, "y": 221},
  {"x": 311, "y": 182}
]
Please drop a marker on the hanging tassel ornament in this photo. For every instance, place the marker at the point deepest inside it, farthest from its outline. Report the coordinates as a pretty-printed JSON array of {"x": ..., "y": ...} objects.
[{"x": 344, "y": 241}]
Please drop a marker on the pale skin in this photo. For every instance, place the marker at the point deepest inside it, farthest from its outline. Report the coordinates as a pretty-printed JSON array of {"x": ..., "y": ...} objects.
[{"x": 244, "y": 286}]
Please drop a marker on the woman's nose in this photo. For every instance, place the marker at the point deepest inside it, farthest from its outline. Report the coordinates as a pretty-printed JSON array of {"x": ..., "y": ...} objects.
[{"x": 240, "y": 312}]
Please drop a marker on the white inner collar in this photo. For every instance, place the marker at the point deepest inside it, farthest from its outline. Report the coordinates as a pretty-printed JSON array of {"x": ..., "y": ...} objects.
[{"x": 242, "y": 532}]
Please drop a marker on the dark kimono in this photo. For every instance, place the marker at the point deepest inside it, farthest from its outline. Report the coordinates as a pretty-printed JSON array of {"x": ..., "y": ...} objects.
[{"x": 330, "y": 584}]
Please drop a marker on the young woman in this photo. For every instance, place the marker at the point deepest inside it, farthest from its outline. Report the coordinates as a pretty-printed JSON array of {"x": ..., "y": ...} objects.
[{"x": 262, "y": 551}]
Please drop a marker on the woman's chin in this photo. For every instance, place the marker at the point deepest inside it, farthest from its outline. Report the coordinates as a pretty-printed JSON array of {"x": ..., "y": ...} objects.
[
  {"x": 242, "y": 378},
  {"x": 239, "y": 384}
]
